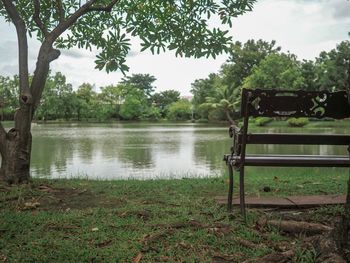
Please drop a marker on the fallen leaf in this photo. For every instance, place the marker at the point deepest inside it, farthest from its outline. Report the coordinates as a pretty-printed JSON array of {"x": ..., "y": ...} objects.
[
  {"x": 31, "y": 205},
  {"x": 137, "y": 258}
]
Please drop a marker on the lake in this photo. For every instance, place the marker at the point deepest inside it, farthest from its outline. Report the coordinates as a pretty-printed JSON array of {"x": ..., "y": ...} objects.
[{"x": 145, "y": 150}]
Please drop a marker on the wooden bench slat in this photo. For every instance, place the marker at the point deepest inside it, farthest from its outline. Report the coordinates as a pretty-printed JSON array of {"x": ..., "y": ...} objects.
[
  {"x": 294, "y": 139},
  {"x": 294, "y": 160}
]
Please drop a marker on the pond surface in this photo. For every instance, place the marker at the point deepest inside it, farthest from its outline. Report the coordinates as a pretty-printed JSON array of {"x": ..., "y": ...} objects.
[
  {"x": 145, "y": 150},
  {"x": 128, "y": 151}
]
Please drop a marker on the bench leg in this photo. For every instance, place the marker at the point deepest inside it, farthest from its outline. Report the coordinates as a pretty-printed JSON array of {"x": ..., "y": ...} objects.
[
  {"x": 230, "y": 188},
  {"x": 241, "y": 191}
]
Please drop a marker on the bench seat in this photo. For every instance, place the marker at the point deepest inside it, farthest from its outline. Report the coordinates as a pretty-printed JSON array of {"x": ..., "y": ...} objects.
[
  {"x": 274, "y": 103},
  {"x": 290, "y": 160}
]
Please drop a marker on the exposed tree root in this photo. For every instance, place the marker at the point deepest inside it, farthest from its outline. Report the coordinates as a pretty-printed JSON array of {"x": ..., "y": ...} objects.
[
  {"x": 296, "y": 227},
  {"x": 322, "y": 239},
  {"x": 328, "y": 250}
]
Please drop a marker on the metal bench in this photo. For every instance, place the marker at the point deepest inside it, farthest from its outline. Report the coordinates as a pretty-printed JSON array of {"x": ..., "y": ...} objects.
[{"x": 279, "y": 103}]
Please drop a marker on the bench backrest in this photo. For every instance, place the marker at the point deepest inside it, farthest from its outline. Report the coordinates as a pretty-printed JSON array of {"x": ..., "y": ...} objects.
[{"x": 296, "y": 103}]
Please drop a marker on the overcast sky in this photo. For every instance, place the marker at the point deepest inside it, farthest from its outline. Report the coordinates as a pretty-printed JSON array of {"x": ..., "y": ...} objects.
[{"x": 303, "y": 27}]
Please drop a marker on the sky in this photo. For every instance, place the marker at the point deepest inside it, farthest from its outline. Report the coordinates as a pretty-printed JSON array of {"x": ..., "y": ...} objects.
[{"x": 303, "y": 27}]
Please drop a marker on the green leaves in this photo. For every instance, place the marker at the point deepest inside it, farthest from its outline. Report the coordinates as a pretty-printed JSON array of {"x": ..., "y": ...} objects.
[
  {"x": 183, "y": 26},
  {"x": 115, "y": 47}
]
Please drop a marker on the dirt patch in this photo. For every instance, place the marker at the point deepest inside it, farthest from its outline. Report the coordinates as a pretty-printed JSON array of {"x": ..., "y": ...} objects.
[{"x": 45, "y": 197}]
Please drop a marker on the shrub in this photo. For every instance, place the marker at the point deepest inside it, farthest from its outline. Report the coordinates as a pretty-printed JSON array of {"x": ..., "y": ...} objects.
[
  {"x": 152, "y": 113},
  {"x": 131, "y": 108},
  {"x": 180, "y": 110},
  {"x": 297, "y": 122},
  {"x": 262, "y": 121}
]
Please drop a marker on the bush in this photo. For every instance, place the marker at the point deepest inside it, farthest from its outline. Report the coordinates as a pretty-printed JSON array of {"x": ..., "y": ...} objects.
[
  {"x": 297, "y": 122},
  {"x": 180, "y": 110},
  {"x": 131, "y": 108},
  {"x": 152, "y": 113},
  {"x": 262, "y": 121}
]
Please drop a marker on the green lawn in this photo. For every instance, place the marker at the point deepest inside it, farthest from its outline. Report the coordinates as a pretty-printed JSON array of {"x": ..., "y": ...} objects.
[{"x": 157, "y": 221}]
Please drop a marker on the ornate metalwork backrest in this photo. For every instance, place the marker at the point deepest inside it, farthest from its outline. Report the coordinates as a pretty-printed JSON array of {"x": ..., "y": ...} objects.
[{"x": 280, "y": 103}]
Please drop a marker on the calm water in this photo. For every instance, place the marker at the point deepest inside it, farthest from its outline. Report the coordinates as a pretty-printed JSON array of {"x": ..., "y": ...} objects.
[{"x": 144, "y": 151}]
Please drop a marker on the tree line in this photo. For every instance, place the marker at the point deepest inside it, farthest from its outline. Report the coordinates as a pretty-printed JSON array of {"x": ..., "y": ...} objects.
[
  {"x": 131, "y": 99},
  {"x": 215, "y": 98},
  {"x": 262, "y": 64}
]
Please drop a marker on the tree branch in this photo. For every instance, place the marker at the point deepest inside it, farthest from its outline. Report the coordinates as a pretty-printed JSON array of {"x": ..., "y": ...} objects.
[
  {"x": 46, "y": 55},
  {"x": 65, "y": 24},
  {"x": 36, "y": 18},
  {"x": 107, "y": 8},
  {"x": 22, "y": 47},
  {"x": 60, "y": 10},
  {"x": 86, "y": 8}
]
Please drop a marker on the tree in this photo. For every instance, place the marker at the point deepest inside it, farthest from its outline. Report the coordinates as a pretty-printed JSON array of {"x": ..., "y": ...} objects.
[
  {"x": 163, "y": 99},
  {"x": 143, "y": 82},
  {"x": 132, "y": 107},
  {"x": 225, "y": 99},
  {"x": 109, "y": 101},
  {"x": 58, "y": 100},
  {"x": 85, "y": 98},
  {"x": 180, "y": 110},
  {"x": 332, "y": 66},
  {"x": 280, "y": 71},
  {"x": 203, "y": 88},
  {"x": 182, "y": 26},
  {"x": 243, "y": 57},
  {"x": 308, "y": 71},
  {"x": 8, "y": 96}
]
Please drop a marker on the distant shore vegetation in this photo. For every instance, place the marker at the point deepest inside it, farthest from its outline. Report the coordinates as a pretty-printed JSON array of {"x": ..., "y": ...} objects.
[{"x": 252, "y": 64}]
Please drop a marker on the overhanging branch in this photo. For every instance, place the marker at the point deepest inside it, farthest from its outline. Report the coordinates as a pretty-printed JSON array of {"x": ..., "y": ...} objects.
[
  {"x": 60, "y": 10},
  {"x": 107, "y": 8},
  {"x": 36, "y": 18},
  {"x": 86, "y": 8},
  {"x": 65, "y": 24}
]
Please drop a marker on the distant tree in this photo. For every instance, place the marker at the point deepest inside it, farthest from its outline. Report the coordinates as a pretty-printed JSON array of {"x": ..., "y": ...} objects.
[
  {"x": 110, "y": 100},
  {"x": 8, "y": 96},
  {"x": 243, "y": 57},
  {"x": 332, "y": 67},
  {"x": 85, "y": 101},
  {"x": 132, "y": 108},
  {"x": 180, "y": 110},
  {"x": 204, "y": 88},
  {"x": 225, "y": 99},
  {"x": 143, "y": 82},
  {"x": 163, "y": 99},
  {"x": 309, "y": 73},
  {"x": 280, "y": 71},
  {"x": 182, "y": 26}
]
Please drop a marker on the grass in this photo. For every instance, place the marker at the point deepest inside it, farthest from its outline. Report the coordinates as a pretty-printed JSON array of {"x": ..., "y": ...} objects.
[{"x": 157, "y": 221}]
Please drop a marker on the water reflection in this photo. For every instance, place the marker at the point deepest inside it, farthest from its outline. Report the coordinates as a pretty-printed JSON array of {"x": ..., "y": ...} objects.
[
  {"x": 145, "y": 151},
  {"x": 122, "y": 151}
]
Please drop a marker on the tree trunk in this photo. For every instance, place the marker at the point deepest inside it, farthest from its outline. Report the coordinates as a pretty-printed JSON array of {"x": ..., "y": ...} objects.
[
  {"x": 229, "y": 118},
  {"x": 16, "y": 152}
]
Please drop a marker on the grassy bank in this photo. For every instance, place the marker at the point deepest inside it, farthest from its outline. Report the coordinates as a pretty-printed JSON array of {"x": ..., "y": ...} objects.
[{"x": 157, "y": 221}]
